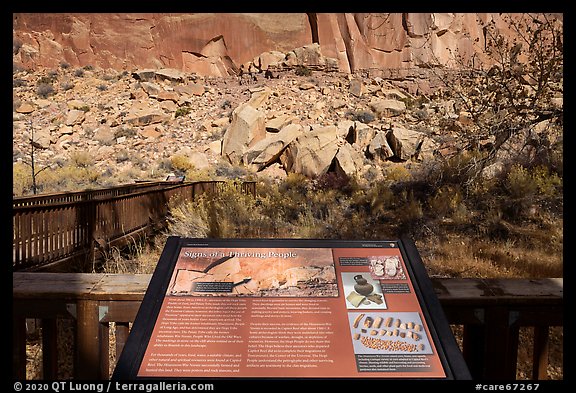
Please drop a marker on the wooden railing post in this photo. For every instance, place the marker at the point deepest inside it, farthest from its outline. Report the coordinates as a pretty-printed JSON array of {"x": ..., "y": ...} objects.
[
  {"x": 473, "y": 349},
  {"x": 122, "y": 331},
  {"x": 540, "y": 353},
  {"x": 501, "y": 337},
  {"x": 49, "y": 348},
  {"x": 90, "y": 211},
  {"x": 87, "y": 364},
  {"x": 18, "y": 348},
  {"x": 104, "y": 341}
]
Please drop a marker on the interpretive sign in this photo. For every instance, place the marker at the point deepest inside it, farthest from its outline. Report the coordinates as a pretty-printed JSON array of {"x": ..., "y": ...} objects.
[{"x": 290, "y": 308}]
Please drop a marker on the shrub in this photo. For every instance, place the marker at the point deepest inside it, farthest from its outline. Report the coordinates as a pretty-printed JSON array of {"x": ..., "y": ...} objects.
[
  {"x": 302, "y": 70},
  {"x": 81, "y": 159},
  {"x": 180, "y": 163},
  {"x": 21, "y": 179},
  {"x": 45, "y": 80},
  {"x": 64, "y": 65},
  {"x": 44, "y": 90},
  {"x": 102, "y": 87},
  {"x": 445, "y": 201},
  {"x": 125, "y": 131},
  {"x": 397, "y": 173},
  {"x": 227, "y": 171},
  {"x": 122, "y": 156},
  {"x": 525, "y": 183},
  {"x": 79, "y": 72},
  {"x": 363, "y": 116},
  {"x": 182, "y": 111}
]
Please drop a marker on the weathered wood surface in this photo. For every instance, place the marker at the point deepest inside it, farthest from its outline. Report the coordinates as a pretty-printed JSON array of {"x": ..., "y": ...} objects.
[
  {"x": 71, "y": 286},
  {"x": 498, "y": 290},
  {"x": 450, "y": 291},
  {"x": 491, "y": 311}
]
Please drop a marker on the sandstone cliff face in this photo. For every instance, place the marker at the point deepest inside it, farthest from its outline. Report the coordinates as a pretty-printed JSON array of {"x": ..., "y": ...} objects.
[{"x": 217, "y": 44}]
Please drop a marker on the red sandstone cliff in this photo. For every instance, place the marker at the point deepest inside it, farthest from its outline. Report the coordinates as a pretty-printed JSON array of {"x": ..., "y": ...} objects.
[{"x": 215, "y": 44}]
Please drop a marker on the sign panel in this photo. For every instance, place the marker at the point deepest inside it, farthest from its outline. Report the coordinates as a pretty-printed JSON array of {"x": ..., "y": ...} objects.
[{"x": 290, "y": 308}]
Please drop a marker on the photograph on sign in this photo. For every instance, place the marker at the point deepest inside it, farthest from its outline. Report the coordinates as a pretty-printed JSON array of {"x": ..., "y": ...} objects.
[{"x": 362, "y": 291}]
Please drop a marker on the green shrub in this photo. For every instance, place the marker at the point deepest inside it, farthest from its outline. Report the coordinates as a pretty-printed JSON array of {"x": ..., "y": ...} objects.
[
  {"x": 182, "y": 111},
  {"x": 529, "y": 186}
]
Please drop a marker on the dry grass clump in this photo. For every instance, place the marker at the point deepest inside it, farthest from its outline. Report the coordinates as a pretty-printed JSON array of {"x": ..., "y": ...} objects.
[{"x": 486, "y": 229}]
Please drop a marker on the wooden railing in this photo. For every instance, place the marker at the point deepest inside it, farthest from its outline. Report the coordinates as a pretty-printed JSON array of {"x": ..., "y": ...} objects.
[
  {"x": 491, "y": 312},
  {"x": 51, "y": 229}
]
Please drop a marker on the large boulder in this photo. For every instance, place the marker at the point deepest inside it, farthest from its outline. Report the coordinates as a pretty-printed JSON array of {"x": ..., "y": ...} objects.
[
  {"x": 247, "y": 128},
  {"x": 348, "y": 160},
  {"x": 268, "y": 150},
  {"x": 311, "y": 154},
  {"x": 386, "y": 107},
  {"x": 363, "y": 135},
  {"x": 379, "y": 147},
  {"x": 405, "y": 143},
  {"x": 75, "y": 116},
  {"x": 144, "y": 118}
]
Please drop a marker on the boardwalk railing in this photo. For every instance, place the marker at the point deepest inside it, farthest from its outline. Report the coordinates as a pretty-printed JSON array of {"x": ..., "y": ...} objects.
[
  {"x": 51, "y": 229},
  {"x": 491, "y": 312}
]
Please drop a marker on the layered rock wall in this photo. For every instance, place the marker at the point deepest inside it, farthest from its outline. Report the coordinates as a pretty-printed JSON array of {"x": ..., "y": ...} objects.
[{"x": 216, "y": 44}]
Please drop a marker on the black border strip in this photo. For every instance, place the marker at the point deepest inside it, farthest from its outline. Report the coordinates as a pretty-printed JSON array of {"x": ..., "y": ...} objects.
[{"x": 133, "y": 353}]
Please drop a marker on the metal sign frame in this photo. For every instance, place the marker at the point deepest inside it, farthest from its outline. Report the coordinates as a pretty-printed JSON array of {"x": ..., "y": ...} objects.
[{"x": 439, "y": 332}]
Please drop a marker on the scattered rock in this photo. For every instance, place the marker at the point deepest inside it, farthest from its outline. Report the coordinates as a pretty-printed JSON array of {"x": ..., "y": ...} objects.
[
  {"x": 75, "y": 116},
  {"x": 356, "y": 87},
  {"x": 386, "y": 108},
  {"x": 25, "y": 108}
]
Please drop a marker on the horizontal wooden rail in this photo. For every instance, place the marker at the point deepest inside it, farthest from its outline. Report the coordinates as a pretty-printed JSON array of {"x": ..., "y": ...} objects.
[
  {"x": 74, "y": 196},
  {"x": 73, "y": 227},
  {"x": 491, "y": 311}
]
